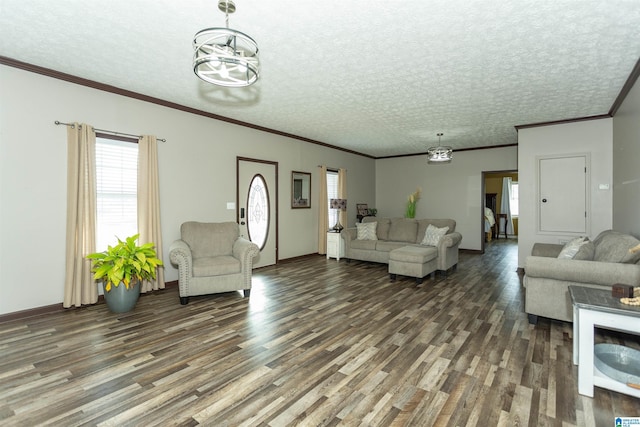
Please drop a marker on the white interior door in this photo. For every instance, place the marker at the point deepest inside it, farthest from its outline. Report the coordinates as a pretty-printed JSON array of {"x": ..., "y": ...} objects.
[
  {"x": 563, "y": 194},
  {"x": 257, "y": 199}
]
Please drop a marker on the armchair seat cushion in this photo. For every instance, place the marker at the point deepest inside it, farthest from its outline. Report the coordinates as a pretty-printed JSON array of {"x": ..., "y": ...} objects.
[{"x": 216, "y": 266}]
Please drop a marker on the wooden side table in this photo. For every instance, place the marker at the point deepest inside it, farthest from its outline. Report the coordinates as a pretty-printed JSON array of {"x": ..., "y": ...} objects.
[{"x": 335, "y": 245}]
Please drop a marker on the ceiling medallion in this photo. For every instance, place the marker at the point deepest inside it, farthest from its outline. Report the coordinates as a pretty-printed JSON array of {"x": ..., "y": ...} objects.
[
  {"x": 439, "y": 154},
  {"x": 225, "y": 57}
]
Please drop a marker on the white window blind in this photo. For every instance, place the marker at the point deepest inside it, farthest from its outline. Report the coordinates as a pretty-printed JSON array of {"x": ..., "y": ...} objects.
[
  {"x": 117, "y": 188},
  {"x": 332, "y": 193}
]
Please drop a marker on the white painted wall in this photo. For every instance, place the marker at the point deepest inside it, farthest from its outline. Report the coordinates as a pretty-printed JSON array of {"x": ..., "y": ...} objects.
[
  {"x": 197, "y": 176},
  {"x": 593, "y": 137},
  {"x": 626, "y": 158},
  {"x": 452, "y": 190}
]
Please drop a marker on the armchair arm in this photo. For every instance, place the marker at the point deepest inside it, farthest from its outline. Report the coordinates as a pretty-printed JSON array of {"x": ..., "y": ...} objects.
[
  {"x": 551, "y": 250},
  {"x": 448, "y": 250},
  {"x": 348, "y": 234},
  {"x": 593, "y": 272},
  {"x": 180, "y": 256},
  {"x": 449, "y": 240},
  {"x": 245, "y": 251}
]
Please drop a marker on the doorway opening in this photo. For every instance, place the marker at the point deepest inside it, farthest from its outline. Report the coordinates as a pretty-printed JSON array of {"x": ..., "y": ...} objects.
[{"x": 499, "y": 213}]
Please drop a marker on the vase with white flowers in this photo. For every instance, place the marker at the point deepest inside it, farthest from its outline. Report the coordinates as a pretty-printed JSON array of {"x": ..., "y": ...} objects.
[{"x": 411, "y": 203}]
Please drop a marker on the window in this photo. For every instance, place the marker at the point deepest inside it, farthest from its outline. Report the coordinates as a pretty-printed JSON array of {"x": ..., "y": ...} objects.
[
  {"x": 117, "y": 190},
  {"x": 513, "y": 203},
  {"x": 332, "y": 193}
]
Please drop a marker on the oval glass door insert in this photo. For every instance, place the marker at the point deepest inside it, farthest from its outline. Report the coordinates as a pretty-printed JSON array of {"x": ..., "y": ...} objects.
[{"x": 258, "y": 211}]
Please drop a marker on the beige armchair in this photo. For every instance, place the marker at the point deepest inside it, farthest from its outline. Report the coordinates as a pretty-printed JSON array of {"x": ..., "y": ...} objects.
[{"x": 212, "y": 258}]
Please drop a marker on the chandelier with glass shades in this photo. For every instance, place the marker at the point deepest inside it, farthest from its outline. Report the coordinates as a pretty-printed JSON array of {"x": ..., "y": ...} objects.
[
  {"x": 439, "y": 154},
  {"x": 225, "y": 57}
]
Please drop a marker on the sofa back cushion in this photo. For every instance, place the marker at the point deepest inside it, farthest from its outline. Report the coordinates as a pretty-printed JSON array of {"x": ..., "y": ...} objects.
[
  {"x": 382, "y": 231},
  {"x": 208, "y": 239},
  {"x": 438, "y": 223},
  {"x": 613, "y": 246},
  {"x": 403, "y": 230},
  {"x": 586, "y": 252}
]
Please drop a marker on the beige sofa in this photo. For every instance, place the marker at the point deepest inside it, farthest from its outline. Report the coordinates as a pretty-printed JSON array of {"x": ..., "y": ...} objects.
[
  {"x": 600, "y": 263},
  {"x": 396, "y": 233}
]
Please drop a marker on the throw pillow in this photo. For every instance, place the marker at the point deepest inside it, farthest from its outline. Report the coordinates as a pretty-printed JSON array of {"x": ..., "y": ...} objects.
[
  {"x": 366, "y": 231},
  {"x": 433, "y": 235},
  {"x": 571, "y": 248}
]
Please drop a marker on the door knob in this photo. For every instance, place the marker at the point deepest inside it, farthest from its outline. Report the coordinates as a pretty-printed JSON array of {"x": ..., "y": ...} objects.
[{"x": 544, "y": 200}]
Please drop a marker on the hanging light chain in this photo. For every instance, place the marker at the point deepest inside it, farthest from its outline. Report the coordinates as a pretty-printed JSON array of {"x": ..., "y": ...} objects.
[{"x": 226, "y": 6}]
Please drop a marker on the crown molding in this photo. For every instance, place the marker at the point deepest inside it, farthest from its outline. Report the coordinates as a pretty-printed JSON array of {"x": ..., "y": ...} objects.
[
  {"x": 135, "y": 95},
  {"x": 559, "y": 122},
  {"x": 626, "y": 88},
  {"x": 457, "y": 150}
]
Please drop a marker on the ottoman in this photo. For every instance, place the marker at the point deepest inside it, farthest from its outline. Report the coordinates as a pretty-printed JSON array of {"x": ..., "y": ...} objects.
[{"x": 413, "y": 261}]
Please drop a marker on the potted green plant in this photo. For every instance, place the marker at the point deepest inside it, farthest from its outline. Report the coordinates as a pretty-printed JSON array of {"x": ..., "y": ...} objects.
[{"x": 126, "y": 264}]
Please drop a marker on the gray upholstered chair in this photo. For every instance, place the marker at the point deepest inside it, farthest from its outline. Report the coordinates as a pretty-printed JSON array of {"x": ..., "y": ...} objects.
[{"x": 212, "y": 258}]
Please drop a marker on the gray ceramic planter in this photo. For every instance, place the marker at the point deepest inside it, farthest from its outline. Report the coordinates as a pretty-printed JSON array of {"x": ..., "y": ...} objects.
[{"x": 120, "y": 299}]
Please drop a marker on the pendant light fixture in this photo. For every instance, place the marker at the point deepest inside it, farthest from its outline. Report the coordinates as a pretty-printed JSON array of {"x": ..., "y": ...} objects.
[
  {"x": 225, "y": 57},
  {"x": 439, "y": 154}
]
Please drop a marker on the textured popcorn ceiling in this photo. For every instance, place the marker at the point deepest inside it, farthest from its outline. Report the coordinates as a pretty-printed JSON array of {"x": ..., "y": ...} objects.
[{"x": 377, "y": 77}]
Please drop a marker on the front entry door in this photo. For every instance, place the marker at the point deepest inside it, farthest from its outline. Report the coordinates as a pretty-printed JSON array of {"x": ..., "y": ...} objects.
[{"x": 257, "y": 199}]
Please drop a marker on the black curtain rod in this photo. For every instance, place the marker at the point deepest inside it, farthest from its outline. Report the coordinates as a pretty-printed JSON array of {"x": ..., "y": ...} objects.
[{"x": 108, "y": 131}]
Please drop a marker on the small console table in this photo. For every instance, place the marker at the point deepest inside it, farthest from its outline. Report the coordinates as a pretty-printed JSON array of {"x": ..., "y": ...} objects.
[{"x": 591, "y": 308}]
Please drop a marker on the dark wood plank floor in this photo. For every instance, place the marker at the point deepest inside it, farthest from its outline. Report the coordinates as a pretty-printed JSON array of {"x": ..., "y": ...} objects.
[{"x": 319, "y": 342}]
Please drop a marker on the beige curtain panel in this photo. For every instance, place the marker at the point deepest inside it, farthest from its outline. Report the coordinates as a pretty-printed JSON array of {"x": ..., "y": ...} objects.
[
  {"x": 342, "y": 194},
  {"x": 149, "y": 204},
  {"x": 79, "y": 287},
  {"x": 323, "y": 212}
]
